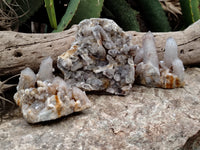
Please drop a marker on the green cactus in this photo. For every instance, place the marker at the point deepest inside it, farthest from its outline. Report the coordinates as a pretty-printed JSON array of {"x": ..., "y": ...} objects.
[
  {"x": 154, "y": 15},
  {"x": 49, "y": 4},
  {"x": 190, "y": 10},
  {"x": 70, "y": 12},
  {"x": 125, "y": 16},
  {"x": 87, "y": 9}
]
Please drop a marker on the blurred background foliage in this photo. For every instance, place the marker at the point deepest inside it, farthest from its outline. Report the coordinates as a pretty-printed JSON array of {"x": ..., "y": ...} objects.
[{"x": 44, "y": 16}]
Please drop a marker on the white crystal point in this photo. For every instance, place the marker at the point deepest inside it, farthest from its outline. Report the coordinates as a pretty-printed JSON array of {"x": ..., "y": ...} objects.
[
  {"x": 45, "y": 98},
  {"x": 46, "y": 70},
  {"x": 150, "y": 54},
  {"x": 139, "y": 55},
  {"x": 60, "y": 84},
  {"x": 147, "y": 71},
  {"x": 178, "y": 68},
  {"x": 48, "y": 101},
  {"x": 27, "y": 79},
  {"x": 170, "y": 52},
  {"x": 81, "y": 99},
  {"x": 172, "y": 69}
]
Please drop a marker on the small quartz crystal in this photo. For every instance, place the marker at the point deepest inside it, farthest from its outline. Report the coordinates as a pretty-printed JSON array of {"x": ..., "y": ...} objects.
[
  {"x": 44, "y": 97},
  {"x": 172, "y": 68},
  {"x": 147, "y": 71},
  {"x": 169, "y": 73}
]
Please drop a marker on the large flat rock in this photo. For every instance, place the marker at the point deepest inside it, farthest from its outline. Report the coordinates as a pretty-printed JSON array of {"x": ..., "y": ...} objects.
[{"x": 148, "y": 118}]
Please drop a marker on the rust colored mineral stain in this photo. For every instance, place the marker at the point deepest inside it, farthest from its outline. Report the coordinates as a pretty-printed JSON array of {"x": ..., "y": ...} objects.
[
  {"x": 52, "y": 90},
  {"x": 70, "y": 52},
  {"x": 170, "y": 81},
  {"x": 94, "y": 58},
  {"x": 106, "y": 83},
  {"x": 73, "y": 97},
  {"x": 177, "y": 82},
  {"x": 58, "y": 105},
  {"x": 76, "y": 104},
  {"x": 18, "y": 102}
]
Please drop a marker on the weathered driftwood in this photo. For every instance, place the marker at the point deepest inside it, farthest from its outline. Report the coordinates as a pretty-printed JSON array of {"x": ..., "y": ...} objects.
[{"x": 20, "y": 50}]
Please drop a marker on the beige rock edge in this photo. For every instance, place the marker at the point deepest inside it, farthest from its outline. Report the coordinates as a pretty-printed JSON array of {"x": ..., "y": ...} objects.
[
  {"x": 20, "y": 50},
  {"x": 148, "y": 118}
]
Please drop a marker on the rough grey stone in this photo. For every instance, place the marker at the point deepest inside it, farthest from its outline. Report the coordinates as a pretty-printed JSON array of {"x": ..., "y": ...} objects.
[{"x": 147, "y": 118}]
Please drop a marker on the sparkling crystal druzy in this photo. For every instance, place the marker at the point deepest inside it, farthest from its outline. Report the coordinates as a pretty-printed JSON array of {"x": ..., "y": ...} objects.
[{"x": 100, "y": 58}]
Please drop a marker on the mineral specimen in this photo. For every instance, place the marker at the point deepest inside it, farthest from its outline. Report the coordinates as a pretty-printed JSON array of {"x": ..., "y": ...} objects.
[
  {"x": 169, "y": 73},
  {"x": 100, "y": 58},
  {"x": 171, "y": 58},
  {"x": 172, "y": 69},
  {"x": 147, "y": 71},
  {"x": 44, "y": 97}
]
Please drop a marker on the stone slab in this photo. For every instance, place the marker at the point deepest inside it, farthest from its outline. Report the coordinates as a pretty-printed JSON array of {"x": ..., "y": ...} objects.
[{"x": 148, "y": 118}]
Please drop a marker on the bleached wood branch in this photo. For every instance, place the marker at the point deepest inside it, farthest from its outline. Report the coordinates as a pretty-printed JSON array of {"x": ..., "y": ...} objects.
[{"x": 20, "y": 50}]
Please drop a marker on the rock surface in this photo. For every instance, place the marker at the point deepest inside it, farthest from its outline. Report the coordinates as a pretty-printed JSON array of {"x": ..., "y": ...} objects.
[{"x": 147, "y": 118}]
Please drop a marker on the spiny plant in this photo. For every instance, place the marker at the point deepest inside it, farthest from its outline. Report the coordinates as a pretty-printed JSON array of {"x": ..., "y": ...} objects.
[
  {"x": 154, "y": 15},
  {"x": 190, "y": 10},
  {"x": 70, "y": 12},
  {"x": 123, "y": 14},
  {"x": 87, "y": 9},
  {"x": 76, "y": 11},
  {"x": 49, "y": 5},
  {"x": 121, "y": 11}
]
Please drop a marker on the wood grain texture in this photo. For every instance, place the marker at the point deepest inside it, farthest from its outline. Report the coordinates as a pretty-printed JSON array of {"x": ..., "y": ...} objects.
[{"x": 20, "y": 50}]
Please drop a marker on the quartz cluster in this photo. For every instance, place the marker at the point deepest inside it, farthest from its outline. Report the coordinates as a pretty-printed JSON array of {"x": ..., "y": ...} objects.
[
  {"x": 100, "y": 58},
  {"x": 44, "y": 97},
  {"x": 168, "y": 73}
]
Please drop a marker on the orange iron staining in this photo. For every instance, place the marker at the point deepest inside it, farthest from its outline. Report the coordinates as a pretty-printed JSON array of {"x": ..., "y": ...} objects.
[{"x": 51, "y": 98}]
